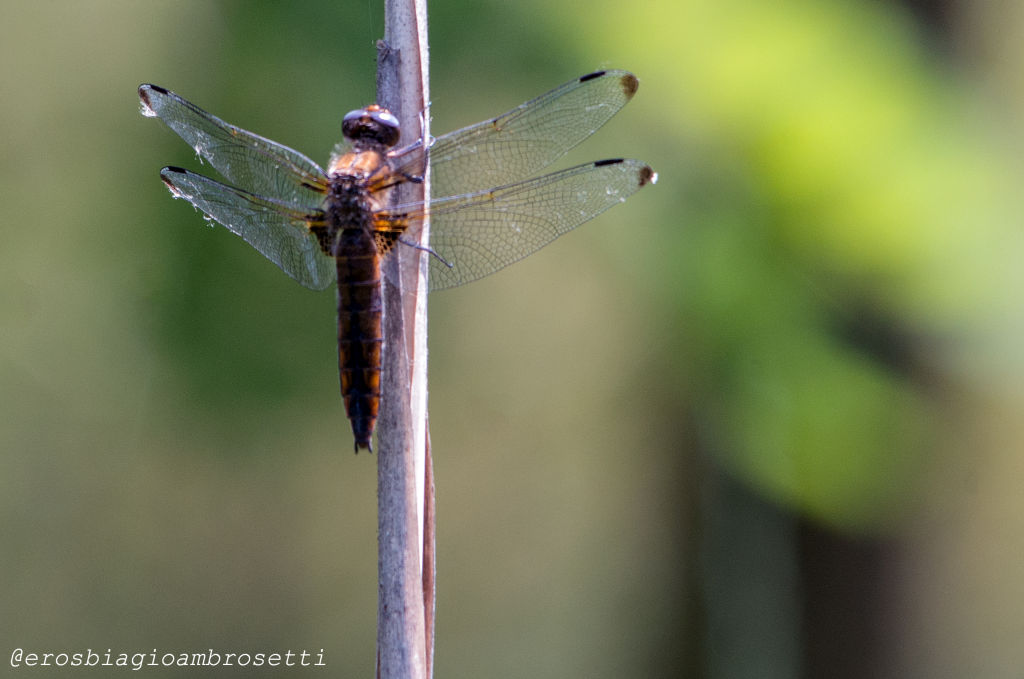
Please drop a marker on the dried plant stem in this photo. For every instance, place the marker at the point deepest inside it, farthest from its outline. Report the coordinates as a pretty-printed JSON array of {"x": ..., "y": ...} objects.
[{"x": 405, "y": 481}]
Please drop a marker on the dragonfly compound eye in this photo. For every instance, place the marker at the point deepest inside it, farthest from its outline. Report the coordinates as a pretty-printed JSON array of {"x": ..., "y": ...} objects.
[{"x": 371, "y": 126}]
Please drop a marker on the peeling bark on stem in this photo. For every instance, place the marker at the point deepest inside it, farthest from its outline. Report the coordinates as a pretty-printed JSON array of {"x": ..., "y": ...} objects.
[{"x": 404, "y": 479}]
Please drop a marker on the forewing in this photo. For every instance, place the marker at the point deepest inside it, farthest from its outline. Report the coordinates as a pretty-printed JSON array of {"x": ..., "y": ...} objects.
[
  {"x": 478, "y": 234},
  {"x": 247, "y": 160},
  {"x": 280, "y": 231},
  {"x": 528, "y": 138}
]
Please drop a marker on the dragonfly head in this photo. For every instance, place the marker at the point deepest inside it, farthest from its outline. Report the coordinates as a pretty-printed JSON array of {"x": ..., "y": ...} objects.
[{"x": 371, "y": 127}]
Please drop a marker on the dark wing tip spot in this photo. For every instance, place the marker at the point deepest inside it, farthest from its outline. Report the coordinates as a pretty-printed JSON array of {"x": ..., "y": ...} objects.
[
  {"x": 591, "y": 76},
  {"x": 647, "y": 176},
  {"x": 146, "y": 87},
  {"x": 167, "y": 176},
  {"x": 630, "y": 85},
  {"x": 610, "y": 161}
]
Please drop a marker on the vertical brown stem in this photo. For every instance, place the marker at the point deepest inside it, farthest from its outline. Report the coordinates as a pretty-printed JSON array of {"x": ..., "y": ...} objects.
[{"x": 404, "y": 486}]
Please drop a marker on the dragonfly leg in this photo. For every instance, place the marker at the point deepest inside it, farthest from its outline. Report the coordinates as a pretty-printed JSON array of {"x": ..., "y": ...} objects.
[{"x": 427, "y": 249}]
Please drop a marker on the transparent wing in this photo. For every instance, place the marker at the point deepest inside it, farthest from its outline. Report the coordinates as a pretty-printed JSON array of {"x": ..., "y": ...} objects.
[
  {"x": 480, "y": 233},
  {"x": 528, "y": 138},
  {"x": 280, "y": 231},
  {"x": 245, "y": 159}
]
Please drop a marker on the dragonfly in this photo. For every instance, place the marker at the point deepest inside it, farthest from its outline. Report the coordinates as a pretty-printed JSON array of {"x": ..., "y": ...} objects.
[{"x": 488, "y": 208}]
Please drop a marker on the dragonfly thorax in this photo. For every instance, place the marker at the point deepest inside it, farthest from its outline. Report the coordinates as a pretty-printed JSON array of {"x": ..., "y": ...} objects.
[{"x": 371, "y": 127}]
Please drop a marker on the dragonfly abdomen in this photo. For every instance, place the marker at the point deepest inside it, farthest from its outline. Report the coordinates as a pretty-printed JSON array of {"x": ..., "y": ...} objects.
[{"x": 359, "y": 331}]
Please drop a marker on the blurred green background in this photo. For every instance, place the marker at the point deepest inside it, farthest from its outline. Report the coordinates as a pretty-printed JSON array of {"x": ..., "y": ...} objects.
[{"x": 764, "y": 420}]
